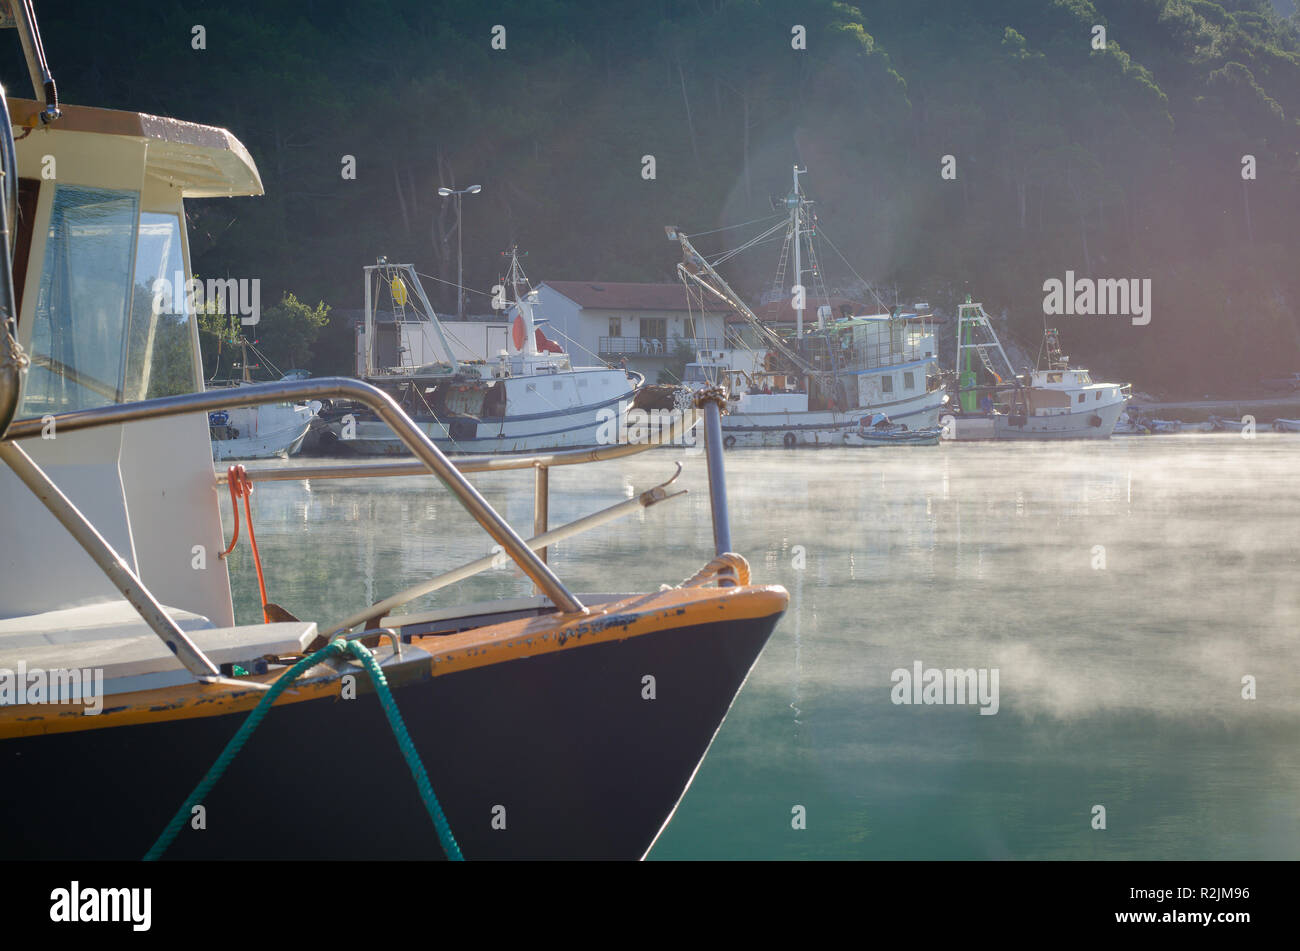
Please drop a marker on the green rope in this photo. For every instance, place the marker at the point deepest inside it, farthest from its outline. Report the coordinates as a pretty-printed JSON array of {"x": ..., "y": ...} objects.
[{"x": 335, "y": 648}]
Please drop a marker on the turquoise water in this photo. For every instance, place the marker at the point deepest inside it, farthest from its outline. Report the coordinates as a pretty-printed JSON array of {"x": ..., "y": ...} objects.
[{"x": 1119, "y": 667}]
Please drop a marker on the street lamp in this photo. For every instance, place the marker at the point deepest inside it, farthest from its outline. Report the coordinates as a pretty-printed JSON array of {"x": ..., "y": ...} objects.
[{"x": 460, "y": 291}]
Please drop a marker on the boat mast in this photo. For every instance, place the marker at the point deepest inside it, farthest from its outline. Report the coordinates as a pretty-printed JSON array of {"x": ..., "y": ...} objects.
[
  {"x": 402, "y": 281},
  {"x": 795, "y": 202},
  {"x": 694, "y": 268},
  {"x": 971, "y": 317}
]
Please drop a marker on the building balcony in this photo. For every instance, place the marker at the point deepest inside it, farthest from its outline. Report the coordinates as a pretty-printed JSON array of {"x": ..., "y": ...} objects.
[{"x": 652, "y": 346}]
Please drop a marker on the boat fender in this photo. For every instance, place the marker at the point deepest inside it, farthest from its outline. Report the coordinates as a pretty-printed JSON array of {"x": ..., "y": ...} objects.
[
  {"x": 1094, "y": 420},
  {"x": 729, "y": 441},
  {"x": 789, "y": 440}
]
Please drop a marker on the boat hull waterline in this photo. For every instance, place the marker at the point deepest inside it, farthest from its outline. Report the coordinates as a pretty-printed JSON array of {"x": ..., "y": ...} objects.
[
  {"x": 1093, "y": 423},
  {"x": 749, "y": 430}
]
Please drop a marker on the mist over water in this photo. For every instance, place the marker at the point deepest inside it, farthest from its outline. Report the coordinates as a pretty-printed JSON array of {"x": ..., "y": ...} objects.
[{"x": 1119, "y": 686}]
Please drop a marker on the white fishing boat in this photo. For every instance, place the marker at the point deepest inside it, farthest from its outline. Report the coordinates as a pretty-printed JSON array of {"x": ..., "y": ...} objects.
[
  {"x": 1057, "y": 402},
  {"x": 528, "y": 398},
  {"x": 814, "y": 388}
]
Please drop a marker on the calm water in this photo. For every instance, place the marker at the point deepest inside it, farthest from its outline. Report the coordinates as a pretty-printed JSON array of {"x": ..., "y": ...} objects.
[{"x": 1119, "y": 686}]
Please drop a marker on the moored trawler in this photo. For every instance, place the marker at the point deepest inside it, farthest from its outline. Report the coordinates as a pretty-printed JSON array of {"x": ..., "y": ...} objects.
[
  {"x": 1057, "y": 402},
  {"x": 523, "y": 721},
  {"x": 813, "y": 389},
  {"x": 528, "y": 398}
]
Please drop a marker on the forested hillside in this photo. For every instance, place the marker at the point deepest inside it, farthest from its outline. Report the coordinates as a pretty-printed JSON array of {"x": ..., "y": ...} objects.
[{"x": 1122, "y": 162}]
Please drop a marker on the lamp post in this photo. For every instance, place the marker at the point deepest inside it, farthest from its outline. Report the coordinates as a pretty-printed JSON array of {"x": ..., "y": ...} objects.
[{"x": 460, "y": 290}]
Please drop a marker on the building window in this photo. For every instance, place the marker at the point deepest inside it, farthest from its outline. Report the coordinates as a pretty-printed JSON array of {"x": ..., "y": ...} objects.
[
  {"x": 688, "y": 328},
  {"x": 616, "y": 326},
  {"x": 654, "y": 334}
]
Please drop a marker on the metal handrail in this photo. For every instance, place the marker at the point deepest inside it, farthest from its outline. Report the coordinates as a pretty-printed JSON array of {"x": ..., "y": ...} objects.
[
  {"x": 373, "y": 398},
  {"x": 539, "y": 542},
  {"x": 468, "y": 463}
]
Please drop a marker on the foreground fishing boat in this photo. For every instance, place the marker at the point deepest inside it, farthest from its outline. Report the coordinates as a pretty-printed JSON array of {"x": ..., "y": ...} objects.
[
  {"x": 1054, "y": 402},
  {"x": 546, "y": 726}
]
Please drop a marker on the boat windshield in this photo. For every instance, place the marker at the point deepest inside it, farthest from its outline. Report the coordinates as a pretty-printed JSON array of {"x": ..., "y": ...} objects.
[{"x": 99, "y": 334}]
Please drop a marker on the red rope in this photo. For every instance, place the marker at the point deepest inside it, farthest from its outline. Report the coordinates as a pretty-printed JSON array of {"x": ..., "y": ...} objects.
[{"x": 242, "y": 487}]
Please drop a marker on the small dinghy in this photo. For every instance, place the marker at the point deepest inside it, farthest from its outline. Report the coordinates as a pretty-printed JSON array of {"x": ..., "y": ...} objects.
[
  {"x": 1133, "y": 423},
  {"x": 1286, "y": 425},
  {"x": 1222, "y": 424},
  {"x": 878, "y": 430},
  {"x": 1164, "y": 427}
]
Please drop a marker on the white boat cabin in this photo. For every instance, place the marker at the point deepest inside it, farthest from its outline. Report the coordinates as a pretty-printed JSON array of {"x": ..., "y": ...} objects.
[{"x": 93, "y": 238}]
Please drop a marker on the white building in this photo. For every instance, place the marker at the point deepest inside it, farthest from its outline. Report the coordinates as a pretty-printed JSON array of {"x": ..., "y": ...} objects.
[{"x": 644, "y": 324}]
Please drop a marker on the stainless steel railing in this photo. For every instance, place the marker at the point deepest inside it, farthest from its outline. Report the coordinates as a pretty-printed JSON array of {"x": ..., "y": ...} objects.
[
  {"x": 540, "y": 463},
  {"x": 134, "y": 589},
  {"x": 430, "y": 459}
]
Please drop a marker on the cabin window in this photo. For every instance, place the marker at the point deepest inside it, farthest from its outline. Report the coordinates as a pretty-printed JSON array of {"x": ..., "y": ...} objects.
[
  {"x": 160, "y": 358},
  {"x": 79, "y": 339},
  {"x": 1054, "y": 378},
  {"x": 1081, "y": 396},
  {"x": 887, "y": 384},
  {"x": 909, "y": 380}
]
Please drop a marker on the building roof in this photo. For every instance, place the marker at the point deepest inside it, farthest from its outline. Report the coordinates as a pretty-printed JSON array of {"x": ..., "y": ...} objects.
[{"x": 607, "y": 295}]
